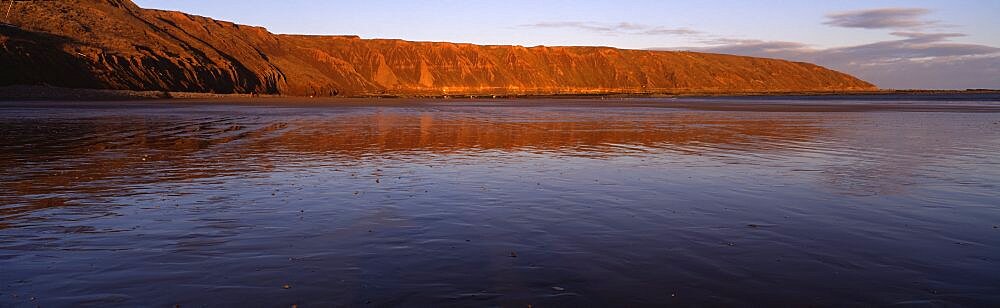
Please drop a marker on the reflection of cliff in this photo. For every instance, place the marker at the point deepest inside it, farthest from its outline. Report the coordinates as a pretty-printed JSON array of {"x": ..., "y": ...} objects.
[
  {"x": 103, "y": 155},
  {"x": 408, "y": 133},
  {"x": 115, "y": 44}
]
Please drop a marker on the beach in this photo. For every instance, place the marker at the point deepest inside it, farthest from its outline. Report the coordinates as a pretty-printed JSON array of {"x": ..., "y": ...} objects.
[{"x": 773, "y": 201}]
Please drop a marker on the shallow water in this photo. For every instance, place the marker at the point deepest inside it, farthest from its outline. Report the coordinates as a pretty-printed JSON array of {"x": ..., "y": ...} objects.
[{"x": 480, "y": 203}]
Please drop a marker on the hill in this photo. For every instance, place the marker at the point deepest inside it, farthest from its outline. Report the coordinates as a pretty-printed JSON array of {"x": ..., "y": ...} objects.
[{"x": 114, "y": 44}]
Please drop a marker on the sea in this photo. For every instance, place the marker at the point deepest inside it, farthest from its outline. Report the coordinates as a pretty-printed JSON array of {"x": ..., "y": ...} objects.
[{"x": 549, "y": 202}]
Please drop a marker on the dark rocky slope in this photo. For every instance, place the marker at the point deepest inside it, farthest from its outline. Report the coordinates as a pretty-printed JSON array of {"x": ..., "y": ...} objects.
[{"x": 114, "y": 44}]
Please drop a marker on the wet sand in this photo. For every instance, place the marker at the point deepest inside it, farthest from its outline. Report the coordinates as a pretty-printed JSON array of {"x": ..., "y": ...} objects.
[{"x": 557, "y": 202}]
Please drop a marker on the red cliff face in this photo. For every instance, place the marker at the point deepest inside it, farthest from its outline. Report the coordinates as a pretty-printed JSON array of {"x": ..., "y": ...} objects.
[{"x": 114, "y": 44}]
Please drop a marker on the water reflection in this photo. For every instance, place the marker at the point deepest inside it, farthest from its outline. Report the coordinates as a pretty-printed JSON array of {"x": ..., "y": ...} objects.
[
  {"x": 100, "y": 156},
  {"x": 471, "y": 204},
  {"x": 559, "y": 134}
]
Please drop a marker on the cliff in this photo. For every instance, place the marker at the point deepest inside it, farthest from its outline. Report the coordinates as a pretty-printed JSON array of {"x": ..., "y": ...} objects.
[{"x": 114, "y": 44}]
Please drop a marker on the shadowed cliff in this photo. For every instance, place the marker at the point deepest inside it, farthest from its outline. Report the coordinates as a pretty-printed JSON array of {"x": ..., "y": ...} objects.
[{"x": 114, "y": 44}]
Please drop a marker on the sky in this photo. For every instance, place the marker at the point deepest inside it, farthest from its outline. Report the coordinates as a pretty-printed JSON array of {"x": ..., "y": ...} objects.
[{"x": 914, "y": 44}]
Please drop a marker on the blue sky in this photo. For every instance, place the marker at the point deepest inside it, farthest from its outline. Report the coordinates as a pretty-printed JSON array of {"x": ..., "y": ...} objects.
[{"x": 877, "y": 32}]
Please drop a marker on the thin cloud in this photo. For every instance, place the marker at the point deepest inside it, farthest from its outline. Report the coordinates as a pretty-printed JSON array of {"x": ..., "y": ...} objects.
[
  {"x": 913, "y": 45},
  {"x": 886, "y": 18},
  {"x": 669, "y": 31},
  {"x": 614, "y": 28},
  {"x": 915, "y": 60},
  {"x": 755, "y": 47},
  {"x": 927, "y": 37}
]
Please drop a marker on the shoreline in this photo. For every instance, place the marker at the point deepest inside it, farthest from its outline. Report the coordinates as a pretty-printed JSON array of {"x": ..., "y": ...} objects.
[{"x": 46, "y": 93}]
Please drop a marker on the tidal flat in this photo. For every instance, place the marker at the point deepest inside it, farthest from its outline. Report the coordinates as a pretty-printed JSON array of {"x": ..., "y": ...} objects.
[{"x": 800, "y": 201}]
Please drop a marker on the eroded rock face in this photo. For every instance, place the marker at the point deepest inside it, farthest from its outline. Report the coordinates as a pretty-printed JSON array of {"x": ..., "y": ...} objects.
[{"x": 114, "y": 44}]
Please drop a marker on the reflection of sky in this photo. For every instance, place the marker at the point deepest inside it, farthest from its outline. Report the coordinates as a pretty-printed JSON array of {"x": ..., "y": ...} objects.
[
  {"x": 425, "y": 200},
  {"x": 890, "y": 153}
]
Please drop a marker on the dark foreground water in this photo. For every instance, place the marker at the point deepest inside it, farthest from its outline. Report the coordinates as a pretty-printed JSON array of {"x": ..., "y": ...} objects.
[{"x": 476, "y": 203}]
